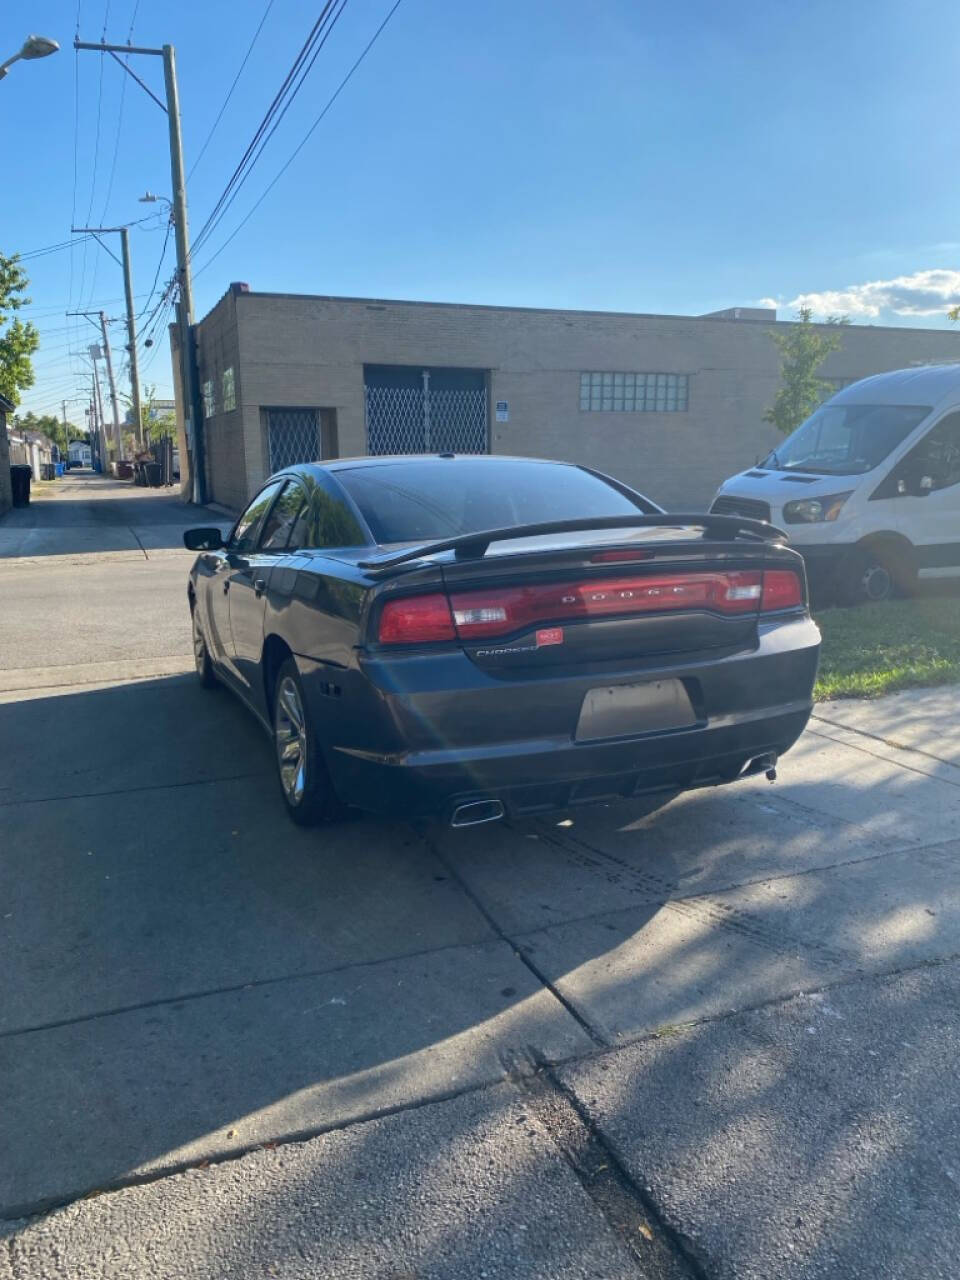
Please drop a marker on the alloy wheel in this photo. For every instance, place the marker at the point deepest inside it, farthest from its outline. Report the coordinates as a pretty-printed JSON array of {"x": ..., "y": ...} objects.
[{"x": 290, "y": 733}]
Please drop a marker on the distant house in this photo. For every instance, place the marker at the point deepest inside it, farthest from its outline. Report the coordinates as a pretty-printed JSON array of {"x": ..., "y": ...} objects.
[{"x": 6, "y": 498}]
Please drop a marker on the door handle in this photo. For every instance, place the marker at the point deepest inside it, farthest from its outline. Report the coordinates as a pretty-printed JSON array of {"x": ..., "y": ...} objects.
[{"x": 259, "y": 587}]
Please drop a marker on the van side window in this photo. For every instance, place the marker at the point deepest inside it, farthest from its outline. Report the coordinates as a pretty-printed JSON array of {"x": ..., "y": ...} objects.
[{"x": 935, "y": 462}]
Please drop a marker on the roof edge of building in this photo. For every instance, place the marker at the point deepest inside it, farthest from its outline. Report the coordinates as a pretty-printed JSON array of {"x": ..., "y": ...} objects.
[{"x": 714, "y": 317}]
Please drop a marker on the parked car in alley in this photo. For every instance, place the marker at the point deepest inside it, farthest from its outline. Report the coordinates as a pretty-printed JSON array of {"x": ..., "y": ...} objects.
[
  {"x": 476, "y": 636},
  {"x": 869, "y": 486}
]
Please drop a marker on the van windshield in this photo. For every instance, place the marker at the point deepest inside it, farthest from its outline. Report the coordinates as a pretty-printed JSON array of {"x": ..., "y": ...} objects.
[{"x": 846, "y": 439}]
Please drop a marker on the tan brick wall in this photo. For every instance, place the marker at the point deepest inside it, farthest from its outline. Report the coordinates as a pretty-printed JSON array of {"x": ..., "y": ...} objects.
[{"x": 310, "y": 351}]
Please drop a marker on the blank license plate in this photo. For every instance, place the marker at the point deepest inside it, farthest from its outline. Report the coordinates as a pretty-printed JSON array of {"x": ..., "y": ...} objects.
[{"x": 625, "y": 709}]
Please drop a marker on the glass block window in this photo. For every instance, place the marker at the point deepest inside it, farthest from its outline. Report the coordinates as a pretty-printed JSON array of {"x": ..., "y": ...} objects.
[
  {"x": 634, "y": 392},
  {"x": 229, "y": 391},
  {"x": 209, "y": 400}
]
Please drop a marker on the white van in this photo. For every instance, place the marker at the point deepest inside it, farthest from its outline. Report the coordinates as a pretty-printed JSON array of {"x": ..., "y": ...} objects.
[{"x": 868, "y": 488}]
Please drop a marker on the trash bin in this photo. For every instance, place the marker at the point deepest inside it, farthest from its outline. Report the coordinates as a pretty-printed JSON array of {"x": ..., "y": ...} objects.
[
  {"x": 20, "y": 477},
  {"x": 60, "y": 469},
  {"x": 154, "y": 474},
  {"x": 124, "y": 470},
  {"x": 48, "y": 471}
]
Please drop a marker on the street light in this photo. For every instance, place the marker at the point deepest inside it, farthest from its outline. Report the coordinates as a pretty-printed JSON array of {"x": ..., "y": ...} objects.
[{"x": 33, "y": 47}]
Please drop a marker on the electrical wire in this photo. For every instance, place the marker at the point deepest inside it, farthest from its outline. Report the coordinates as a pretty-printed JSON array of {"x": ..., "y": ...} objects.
[
  {"x": 153, "y": 287},
  {"x": 284, "y": 95},
  {"x": 236, "y": 78},
  {"x": 96, "y": 150},
  {"x": 303, "y": 142}
]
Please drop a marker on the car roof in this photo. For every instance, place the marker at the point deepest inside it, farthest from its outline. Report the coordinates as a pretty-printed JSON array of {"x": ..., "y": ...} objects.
[
  {"x": 921, "y": 385},
  {"x": 409, "y": 459}
]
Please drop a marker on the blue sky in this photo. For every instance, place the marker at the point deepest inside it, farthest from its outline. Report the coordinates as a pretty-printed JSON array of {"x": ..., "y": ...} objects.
[{"x": 664, "y": 158}]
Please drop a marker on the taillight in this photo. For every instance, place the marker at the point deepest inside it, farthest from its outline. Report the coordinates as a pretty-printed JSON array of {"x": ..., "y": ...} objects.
[
  {"x": 499, "y": 611},
  {"x": 416, "y": 620},
  {"x": 496, "y": 612},
  {"x": 782, "y": 589}
]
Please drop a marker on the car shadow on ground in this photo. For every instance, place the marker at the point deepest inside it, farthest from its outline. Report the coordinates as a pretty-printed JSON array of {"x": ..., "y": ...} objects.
[{"x": 188, "y": 976}]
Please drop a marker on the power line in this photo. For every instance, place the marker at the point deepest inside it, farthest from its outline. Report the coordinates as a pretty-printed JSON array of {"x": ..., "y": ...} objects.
[
  {"x": 26, "y": 254},
  {"x": 96, "y": 150},
  {"x": 306, "y": 137},
  {"x": 236, "y": 78},
  {"x": 288, "y": 89},
  {"x": 163, "y": 254},
  {"x": 276, "y": 123}
]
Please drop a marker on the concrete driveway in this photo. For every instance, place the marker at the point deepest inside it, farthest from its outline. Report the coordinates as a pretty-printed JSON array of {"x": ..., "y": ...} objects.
[{"x": 719, "y": 1040}]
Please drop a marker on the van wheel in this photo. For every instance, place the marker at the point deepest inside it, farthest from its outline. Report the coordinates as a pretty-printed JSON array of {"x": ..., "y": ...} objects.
[
  {"x": 867, "y": 578},
  {"x": 305, "y": 784}
]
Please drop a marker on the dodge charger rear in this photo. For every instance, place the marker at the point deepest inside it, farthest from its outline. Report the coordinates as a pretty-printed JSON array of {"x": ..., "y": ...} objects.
[{"x": 502, "y": 636}]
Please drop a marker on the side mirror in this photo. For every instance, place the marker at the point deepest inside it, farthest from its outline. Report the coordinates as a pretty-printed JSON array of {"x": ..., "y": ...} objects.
[{"x": 203, "y": 539}]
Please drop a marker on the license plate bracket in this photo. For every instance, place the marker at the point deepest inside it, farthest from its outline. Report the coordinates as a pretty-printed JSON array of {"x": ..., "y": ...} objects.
[{"x": 626, "y": 710}]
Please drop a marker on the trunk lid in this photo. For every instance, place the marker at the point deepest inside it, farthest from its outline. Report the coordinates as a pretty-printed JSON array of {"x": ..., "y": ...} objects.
[{"x": 554, "y": 602}]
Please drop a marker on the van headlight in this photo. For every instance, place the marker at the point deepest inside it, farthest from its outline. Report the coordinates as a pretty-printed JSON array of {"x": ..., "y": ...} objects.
[{"x": 814, "y": 510}]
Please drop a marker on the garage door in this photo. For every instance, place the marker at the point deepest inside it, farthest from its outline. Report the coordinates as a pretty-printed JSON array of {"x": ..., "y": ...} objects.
[{"x": 416, "y": 410}]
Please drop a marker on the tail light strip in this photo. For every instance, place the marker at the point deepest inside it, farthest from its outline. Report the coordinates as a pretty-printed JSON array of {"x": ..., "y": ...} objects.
[{"x": 475, "y": 615}]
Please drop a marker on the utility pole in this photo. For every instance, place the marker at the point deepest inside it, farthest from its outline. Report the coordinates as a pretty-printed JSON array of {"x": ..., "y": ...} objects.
[
  {"x": 193, "y": 419},
  {"x": 132, "y": 334},
  {"x": 107, "y": 355},
  {"x": 117, "y": 433},
  {"x": 98, "y": 400},
  {"x": 124, "y": 233},
  {"x": 66, "y": 432}
]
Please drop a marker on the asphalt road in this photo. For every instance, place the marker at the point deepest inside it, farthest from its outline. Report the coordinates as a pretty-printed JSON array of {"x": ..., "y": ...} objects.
[{"x": 715, "y": 1041}]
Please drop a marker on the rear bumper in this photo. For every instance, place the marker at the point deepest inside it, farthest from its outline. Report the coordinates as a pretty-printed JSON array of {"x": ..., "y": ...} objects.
[{"x": 395, "y": 746}]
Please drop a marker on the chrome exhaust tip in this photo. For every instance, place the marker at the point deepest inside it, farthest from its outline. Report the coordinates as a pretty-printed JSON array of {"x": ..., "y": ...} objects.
[{"x": 474, "y": 812}]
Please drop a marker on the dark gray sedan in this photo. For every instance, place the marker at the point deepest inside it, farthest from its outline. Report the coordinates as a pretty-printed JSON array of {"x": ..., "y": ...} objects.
[{"x": 472, "y": 637}]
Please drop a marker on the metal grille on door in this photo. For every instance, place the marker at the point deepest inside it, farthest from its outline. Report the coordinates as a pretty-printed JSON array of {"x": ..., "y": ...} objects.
[
  {"x": 294, "y": 437},
  {"x": 426, "y": 411}
]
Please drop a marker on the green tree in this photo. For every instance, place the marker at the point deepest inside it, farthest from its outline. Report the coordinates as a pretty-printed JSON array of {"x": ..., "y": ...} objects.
[
  {"x": 18, "y": 340},
  {"x": 154, "y": 424},
  {"x": 803, "y": 347}
]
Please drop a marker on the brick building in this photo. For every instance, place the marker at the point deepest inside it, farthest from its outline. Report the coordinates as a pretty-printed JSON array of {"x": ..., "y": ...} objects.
[{"x": 669, "y": 404}]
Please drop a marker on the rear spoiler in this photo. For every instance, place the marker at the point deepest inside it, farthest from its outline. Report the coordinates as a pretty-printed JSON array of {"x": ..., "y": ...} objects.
[{"x": 473, "y": 546}]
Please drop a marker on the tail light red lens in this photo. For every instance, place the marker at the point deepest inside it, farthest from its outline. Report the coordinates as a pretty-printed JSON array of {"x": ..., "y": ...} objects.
[
  {"x": 475, "y": 615},
  {"x": 416, "y": 620},
  {"x": 497, "y": 612},
  {"x": 782, "y": 589}
]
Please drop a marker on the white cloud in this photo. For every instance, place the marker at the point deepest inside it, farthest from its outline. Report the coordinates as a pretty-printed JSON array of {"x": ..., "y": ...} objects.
[{"x": 924, "y": 293}]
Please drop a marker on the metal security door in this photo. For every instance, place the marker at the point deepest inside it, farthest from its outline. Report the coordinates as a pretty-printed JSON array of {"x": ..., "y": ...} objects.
[
  {"x": 425, "y": 410},
  {"x": 294, "y": 436}
]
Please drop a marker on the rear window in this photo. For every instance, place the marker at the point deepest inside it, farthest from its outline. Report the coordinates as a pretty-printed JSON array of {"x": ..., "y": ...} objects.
[{"x": 441, "y": 498}]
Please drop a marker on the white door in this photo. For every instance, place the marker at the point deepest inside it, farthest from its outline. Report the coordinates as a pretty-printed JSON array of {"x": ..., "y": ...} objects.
[{"x": 928, "y": 501}]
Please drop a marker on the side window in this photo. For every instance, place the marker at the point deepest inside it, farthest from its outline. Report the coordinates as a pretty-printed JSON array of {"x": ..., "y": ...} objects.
[
  {"x": 327, "y": 520},
  {"x": 244, "y": 537},
  {"x": 935, "y": 462},
  {"x": 282, "y": 517}
]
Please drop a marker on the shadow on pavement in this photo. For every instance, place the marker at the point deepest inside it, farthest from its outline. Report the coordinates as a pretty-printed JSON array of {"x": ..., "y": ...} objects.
[{"x": 187, "y": 975}]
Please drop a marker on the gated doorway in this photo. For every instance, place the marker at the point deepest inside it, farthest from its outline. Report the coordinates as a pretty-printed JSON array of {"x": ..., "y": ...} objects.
[
  {"x": 300, "y": 435},
  {"x": 416, "y": 410}
]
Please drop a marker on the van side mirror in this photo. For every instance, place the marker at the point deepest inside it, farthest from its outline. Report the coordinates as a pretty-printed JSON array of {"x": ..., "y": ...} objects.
[{"x": 203, "y": 539}]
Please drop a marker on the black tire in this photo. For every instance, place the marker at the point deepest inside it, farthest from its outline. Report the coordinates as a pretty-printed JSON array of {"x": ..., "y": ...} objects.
[
  {"x": 872, "y": 576},
  {"x": 201, "y": 654},
  {"x": 308, "y": 794}
]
